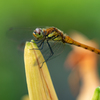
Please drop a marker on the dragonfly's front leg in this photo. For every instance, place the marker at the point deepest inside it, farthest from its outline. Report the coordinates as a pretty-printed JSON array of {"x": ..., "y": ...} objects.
[
  {"x": 37, "y": 41},
  {"x": 40, "y": 45}
]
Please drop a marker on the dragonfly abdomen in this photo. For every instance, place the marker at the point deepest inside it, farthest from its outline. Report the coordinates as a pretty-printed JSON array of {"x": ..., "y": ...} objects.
[{"x": 69, "y": 40}]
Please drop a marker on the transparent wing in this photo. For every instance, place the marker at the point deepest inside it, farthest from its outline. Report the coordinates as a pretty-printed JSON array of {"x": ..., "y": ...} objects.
[
  {"x": 19, "y": 34},
  {"x": 22, "y": 35},
  {"x": 57, "y": 48}
]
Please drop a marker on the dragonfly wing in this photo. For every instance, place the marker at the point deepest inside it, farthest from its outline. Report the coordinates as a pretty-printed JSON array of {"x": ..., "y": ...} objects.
[
  {"x": 57, "y": 48},
  {"x": 20, "y": 35}
]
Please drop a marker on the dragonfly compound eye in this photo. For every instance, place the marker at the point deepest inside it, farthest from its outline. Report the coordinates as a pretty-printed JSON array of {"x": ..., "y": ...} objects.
[{"x": 38, "y": 30}]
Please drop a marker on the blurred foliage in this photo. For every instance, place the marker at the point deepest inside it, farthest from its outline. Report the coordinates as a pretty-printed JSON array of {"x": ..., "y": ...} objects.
[{"x": 80, "y": 15}]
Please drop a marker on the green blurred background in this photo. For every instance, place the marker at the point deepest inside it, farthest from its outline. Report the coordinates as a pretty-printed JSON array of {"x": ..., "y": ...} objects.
[{"x": 80, "y": 15}]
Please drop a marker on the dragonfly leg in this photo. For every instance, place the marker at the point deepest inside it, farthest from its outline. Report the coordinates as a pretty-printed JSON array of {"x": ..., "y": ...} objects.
[
  {"x": 37, "y": 41},
  {"x": 40, "y": 47},
  {"x": 42, "y": 44},
  {"x": 51, "y": 54}
]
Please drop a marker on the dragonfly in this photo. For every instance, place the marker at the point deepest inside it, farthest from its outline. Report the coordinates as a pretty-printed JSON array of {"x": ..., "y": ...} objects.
[
  {"x": 53, "y": 34},
  {"x": 51, "y": 40}
]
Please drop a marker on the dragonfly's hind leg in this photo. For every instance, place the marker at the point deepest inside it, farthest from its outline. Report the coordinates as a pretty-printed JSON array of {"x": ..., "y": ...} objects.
[{"x": 51, "y": 54}]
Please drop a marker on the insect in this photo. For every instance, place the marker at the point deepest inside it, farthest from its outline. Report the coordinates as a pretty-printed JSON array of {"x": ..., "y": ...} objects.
[
  {"x": 51, "y": 41},
  {"x": 53, "y": 34}
]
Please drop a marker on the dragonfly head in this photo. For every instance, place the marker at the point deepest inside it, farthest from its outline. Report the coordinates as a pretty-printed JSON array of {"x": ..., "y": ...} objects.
[{"x": 38, "y": 33}]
